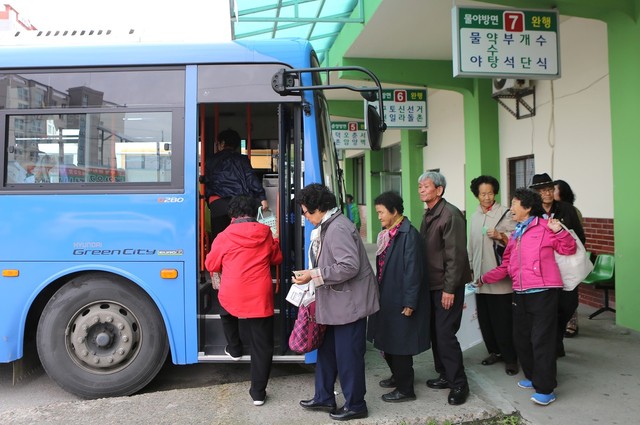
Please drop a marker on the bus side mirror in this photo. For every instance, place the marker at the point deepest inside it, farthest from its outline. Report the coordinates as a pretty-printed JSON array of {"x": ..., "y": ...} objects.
[{"x": 375, "y": 127}]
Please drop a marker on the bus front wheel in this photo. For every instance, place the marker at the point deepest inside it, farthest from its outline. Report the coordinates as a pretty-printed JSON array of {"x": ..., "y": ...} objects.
[{"x": 101, "y": 336}]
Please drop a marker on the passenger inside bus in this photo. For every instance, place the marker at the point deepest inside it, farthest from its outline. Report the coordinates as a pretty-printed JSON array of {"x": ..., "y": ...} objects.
[
  {"x": 21, "y": 169},
  {"x": 228, "y": 174}
]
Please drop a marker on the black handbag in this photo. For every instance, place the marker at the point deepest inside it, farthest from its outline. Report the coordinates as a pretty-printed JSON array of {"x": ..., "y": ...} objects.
[{"x": 498, "y": 250}]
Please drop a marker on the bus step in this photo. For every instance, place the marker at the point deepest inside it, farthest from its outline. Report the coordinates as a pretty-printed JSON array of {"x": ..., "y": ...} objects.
[{"x": 217, "y": 358}]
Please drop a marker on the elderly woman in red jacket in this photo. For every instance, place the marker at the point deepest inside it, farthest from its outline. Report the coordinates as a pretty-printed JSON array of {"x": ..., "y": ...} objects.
[
  {"x": 530, "y": 261},
  {"x": 244, "y": 253}
]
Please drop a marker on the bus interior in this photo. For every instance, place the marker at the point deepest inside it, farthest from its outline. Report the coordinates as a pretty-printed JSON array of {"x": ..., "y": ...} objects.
[{"x": 271, "y": 140}]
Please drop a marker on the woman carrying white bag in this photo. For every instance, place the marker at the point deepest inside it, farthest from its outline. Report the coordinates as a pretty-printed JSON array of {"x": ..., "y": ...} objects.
[{"x": 568, "y": 216}]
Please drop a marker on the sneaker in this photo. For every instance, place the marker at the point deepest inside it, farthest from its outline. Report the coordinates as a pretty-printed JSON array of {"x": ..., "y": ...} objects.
[
  {"x": 258, "y": 402},
  {"x": 543, "y": 399},
  {"x": 234, "y": 358},
  {"x": 526, "y": 384}
]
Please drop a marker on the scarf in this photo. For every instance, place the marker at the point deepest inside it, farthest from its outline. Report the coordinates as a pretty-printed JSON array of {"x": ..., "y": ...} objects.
[
  {"x": 521, "y": 227},
  {"x": 385, "y": 236},
  {"x": 314, "y": 248}
]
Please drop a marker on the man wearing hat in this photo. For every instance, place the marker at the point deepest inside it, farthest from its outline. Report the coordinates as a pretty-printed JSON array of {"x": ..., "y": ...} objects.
[{"x": 567, "y": 214}]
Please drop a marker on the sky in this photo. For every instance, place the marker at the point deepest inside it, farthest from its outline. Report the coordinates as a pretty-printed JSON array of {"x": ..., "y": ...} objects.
[{"x": 154, "y": 20}]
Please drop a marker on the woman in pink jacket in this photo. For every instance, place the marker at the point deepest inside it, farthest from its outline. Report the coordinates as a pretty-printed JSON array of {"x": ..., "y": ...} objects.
[
  {"x": 244, "y": 253},
  {"x": 529, "y": 260}
]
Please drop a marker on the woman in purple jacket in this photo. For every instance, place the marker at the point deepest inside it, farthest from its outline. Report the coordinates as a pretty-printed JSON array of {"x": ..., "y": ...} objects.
[{"x": 529, "y": 260}]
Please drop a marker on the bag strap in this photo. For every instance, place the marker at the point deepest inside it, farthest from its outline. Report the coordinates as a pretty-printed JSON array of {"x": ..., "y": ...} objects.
[
  {"x": 503, "y": 216},
  {"x": 573, "y": 235},
  {"x": 260, "y": 216}
]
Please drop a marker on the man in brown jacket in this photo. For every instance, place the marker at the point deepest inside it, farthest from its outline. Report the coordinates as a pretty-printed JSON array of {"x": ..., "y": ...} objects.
[{"x": 444, "y": 234}]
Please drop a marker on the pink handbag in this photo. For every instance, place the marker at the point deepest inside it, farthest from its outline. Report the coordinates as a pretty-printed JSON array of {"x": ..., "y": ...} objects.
[{"x": 307, "y": 334}]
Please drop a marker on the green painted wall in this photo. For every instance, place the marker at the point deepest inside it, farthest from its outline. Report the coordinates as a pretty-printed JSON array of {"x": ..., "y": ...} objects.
[
  {"x": 481, "y": 120},
  {"x": 411, "y": 148},
  {"x": 482, "y": 137},
  {"x": 348, "y": 177},
  {"x": 373, "y": 184},
  {"x": 624, "y": 63},
  {"x": 482, "y": 153},
  {"x": 623, "y": 27}
]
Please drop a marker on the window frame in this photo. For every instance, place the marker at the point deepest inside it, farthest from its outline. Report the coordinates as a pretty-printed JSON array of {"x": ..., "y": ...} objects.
[{"x": 512, "y": 178}]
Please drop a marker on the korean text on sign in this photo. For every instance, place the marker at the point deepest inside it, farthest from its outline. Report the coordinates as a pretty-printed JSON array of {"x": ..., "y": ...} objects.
[{"x": 493, "y": 41}]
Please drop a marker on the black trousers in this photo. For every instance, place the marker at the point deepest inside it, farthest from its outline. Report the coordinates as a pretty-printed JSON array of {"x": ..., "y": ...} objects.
[
  {"x": 219, "y": 215},
  {"x": 495, "y": 316},
  {"x": 535, "y": 318},
  {"x": 402, "y": 371},
  {"x": 342, "y": 355},
  {"x": 260, "y": 333},
  {"x": 567, "y": 304},
  {"x": 447, "y": 355}
]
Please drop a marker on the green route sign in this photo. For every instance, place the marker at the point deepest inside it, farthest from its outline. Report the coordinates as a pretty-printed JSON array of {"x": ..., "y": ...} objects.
[
  {"x": 404, "y": 108},
  {"x": 349, "y": 135},
  {"x": 505, "y": 43}
]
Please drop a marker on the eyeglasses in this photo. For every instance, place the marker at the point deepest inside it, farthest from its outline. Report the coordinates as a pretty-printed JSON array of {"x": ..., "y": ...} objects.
[
  {"x": 546, "y": 190},
  {"x": 304, "y": 212}
]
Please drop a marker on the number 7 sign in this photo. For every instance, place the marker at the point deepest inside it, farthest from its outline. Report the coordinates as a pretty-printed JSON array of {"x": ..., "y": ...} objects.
[{"x": 513, "y": 21}]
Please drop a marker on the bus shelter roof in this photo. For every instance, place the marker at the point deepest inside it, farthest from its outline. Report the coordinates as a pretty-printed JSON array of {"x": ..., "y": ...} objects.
[{"x": 319, "y": 21}]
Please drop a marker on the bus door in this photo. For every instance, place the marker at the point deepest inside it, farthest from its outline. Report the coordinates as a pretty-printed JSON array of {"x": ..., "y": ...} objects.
[{"x": 271, "y": 137}]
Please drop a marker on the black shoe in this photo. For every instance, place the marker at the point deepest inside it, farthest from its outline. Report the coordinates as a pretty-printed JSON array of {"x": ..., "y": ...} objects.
[
  {"x": 511, "y": 369},
  {"x": 344, "y": 414},
  {"x": 396, "y": 396},
  {"x": 458, "y": 395},
  {"x": 571, "y": 331},
  {"x": 311, "y": 404},
  {"x": 493, "y": 358},
  {"x": 438, "y": 383},
  {"x": 388, "y": 383}
]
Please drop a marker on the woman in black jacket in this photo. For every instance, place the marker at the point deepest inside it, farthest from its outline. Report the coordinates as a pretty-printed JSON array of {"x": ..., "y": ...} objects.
[{"x": 401, "y": 328}]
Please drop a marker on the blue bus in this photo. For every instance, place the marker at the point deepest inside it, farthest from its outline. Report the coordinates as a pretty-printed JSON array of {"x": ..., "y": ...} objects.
[{"x": 103, "y": 225}]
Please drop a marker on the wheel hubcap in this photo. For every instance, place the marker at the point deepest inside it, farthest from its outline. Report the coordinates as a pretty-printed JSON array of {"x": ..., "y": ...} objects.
[{"x": 103, "y": 337}]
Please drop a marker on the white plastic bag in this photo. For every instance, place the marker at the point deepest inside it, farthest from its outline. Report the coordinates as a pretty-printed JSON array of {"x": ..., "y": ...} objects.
[
  {"x": 573, "y": 268},
  {"x": 301, "y": 294}
]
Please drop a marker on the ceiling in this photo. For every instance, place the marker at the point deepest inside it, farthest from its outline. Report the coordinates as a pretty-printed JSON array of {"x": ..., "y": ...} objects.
[
  {"x": 407, "y": 29},
  {"x": 399, "y": 29},
  {"x": 396, "y": 29},
  {"x": 319, "y": 21}
]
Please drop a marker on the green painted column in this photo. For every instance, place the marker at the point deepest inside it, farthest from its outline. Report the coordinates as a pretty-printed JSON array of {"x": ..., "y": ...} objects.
[
  {"x": 373, "y": 184},
  {"x": 411, "y": 148},
  {"x": 624, "y": 62},
  {"x": 482, "y": 138},
  {"x": 348, "y": 177}
]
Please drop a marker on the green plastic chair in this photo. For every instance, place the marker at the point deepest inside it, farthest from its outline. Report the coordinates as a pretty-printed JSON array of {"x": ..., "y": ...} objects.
[{"x": 602, "y": 277}]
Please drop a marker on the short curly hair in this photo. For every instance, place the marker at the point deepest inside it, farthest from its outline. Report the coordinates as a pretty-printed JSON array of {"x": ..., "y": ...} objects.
[
  {"x": 316, "y": 197},
  {"x": 530, "y": 199},
  {"x": 391, "y": 200},
  {"x": 242, "y": 206},
  {"x": 475, "y": 184}
]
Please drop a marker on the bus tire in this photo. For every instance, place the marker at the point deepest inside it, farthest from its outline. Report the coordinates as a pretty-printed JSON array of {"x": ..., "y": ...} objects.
[{"x": 101, "y": 336}]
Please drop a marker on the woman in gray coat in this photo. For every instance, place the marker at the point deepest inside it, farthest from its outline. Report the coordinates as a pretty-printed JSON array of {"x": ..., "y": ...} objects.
[
  {"x": 401, "y": 328},
  {"x": 346, "y": 293}
]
